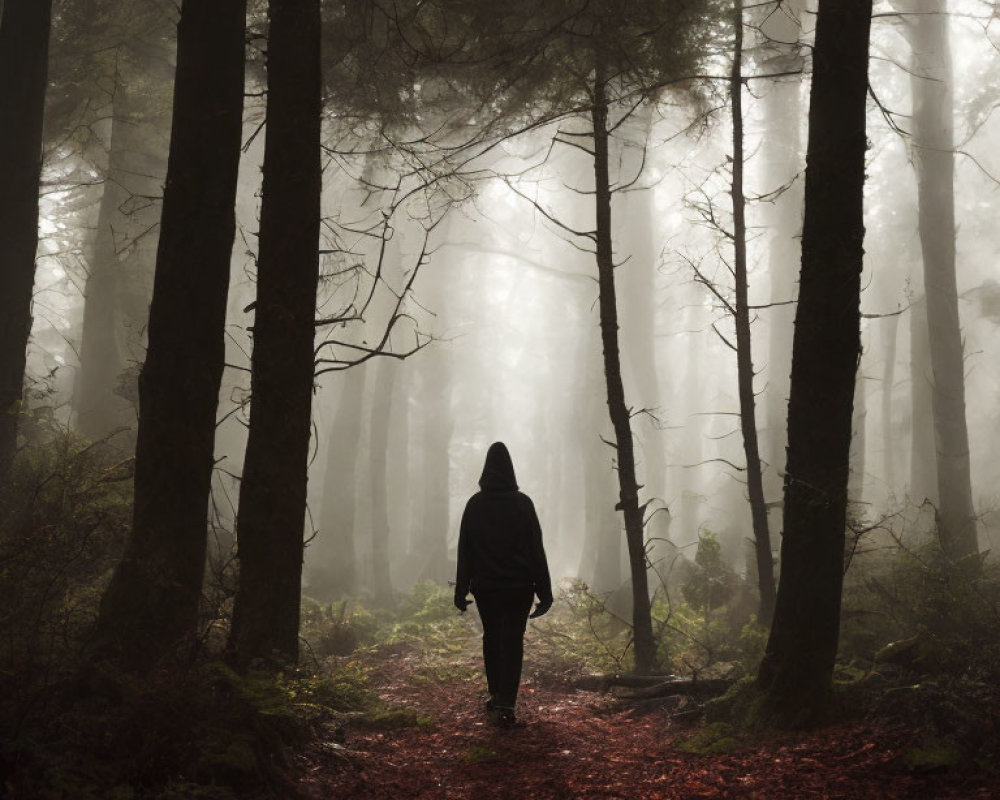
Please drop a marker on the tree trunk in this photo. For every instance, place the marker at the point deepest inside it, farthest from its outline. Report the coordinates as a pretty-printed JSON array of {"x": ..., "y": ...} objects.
[
  {"x": 123, "y": 256},
  {"x": 781, "y": 152},
  {"x": 932, "y": 82},
  {"x": 923, "y": 463},
  {"x": 24, "y": 48},
  {"x": 890, "y": 331},
  {"x": 797, "y": 671},
  {"x": 332, "y": 556},
  {"x": 435, "y": 393},
  {"x": 381, "y": 415},
  {"x": 744, "y": 340},
  {"x": 643, "y": 642},
  {"x": 151, "y": 605},
  {"x": 271, "y": 517}
]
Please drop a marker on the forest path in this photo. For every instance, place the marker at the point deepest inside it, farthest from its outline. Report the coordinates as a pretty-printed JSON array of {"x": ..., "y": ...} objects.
[{"x": 584, "y": 746}]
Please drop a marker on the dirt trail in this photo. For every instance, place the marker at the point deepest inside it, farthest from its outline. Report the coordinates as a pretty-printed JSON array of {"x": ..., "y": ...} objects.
[{"x": 580, "y": 746}]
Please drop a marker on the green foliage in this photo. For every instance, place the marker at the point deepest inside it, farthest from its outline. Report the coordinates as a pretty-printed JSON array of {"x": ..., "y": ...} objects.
[
  {"x": 578, "y": 635},
  {"x": 710, "y": 583},
  {"x": 64, "y": 513},
  {"x": 914, "y": 609},
  {"x": 918, "y": 643},
  {"x": 207, "y": 733}
]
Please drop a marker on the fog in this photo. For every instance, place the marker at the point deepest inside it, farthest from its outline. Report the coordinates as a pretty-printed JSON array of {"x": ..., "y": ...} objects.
[{"x": 478, "y": 282}]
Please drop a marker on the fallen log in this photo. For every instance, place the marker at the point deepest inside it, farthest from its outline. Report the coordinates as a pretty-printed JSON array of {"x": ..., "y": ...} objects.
[
  {"x": 681, "y": 686},
  {"x": 648, "y": 686}
]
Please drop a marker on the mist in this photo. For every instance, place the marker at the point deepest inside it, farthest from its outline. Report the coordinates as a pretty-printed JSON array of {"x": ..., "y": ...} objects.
[{"x": 458, "y": 302}]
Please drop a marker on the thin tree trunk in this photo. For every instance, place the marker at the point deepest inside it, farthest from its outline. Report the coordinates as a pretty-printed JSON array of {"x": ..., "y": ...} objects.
[
  {"x": 381, "y": 415},
  {"x": 744, "y": 340},
  {"x": 923, "y": 463},
  {"x": 932, "y": 82},
  {"x": 151, "y": 605},
  {"x": 642, "y": 625},
  {"x": 24, "y": 49},
  {"x": 796, "y": 674},
  {"x": 890, "y": 334},
  {"x": 271, "y": 517}
]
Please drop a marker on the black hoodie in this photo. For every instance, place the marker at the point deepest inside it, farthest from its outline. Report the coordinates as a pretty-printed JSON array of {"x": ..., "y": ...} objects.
[{"x": 500, "y": 542}]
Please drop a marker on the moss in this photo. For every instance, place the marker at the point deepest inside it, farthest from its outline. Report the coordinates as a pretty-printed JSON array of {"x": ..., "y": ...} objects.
[
  {"x": 932, "y": 754},
  {"x": 391, "y": 718},
  {"x": 479, "y": 754},
  {"x": 740, "y": 705},
  {"x": 714, "y": 739}
]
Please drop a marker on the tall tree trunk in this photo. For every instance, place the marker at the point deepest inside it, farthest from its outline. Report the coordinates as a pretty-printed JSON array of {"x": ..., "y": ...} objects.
[
  {"x": 642, "y": 625},
  {"x": 781, "y": 157},
  {"x": 271, "y": 517},
  {"x": 932, "y": 83},
  {"x": 890, "y": 335},
  {"x": 797, "y": 671},
  {"x": 333, "y": 554},
  {"x": 744, "y": 340},
  {"x": 123, "y": 256},
  {"x": 381, "y": 415},
  {"x": 24, "y": 61},
  {"x": 151, "y": 605},
  {"x": 435, "y": 402},
  {"x": 923, "y": 463}
]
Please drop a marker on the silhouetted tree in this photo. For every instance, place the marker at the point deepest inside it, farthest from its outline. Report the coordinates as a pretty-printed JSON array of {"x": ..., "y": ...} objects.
[
  {"x": 744, "y": 344},
  {"x": 151, "y": 604},
  {"x": 271, "y": 516},
  {"x": 932, "y": 85},
  {"x": 24, "y": 45},
  {"x": 797, "y": 671}
]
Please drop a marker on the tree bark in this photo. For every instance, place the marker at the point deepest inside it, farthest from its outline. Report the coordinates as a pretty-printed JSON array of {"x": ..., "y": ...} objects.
[
  {"x": 271, "y": 517},
  {"x": 932, "y": 83},
  {"x": 24, "y": 48},
  {"x": 797, "y": 671},
  {"x": 151, "y": 605},
  {"x": 642, "y": 625},
  {"x": 744, "y": 339}
]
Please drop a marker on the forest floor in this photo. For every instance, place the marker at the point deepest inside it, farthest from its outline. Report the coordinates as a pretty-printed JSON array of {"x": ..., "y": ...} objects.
[{"x": 587, "y": 746}]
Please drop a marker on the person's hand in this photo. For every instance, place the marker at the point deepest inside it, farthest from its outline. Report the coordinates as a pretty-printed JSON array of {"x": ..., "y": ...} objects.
[
  {"x": 461, "y": 603},
  {"x": 542, "y": 607}
]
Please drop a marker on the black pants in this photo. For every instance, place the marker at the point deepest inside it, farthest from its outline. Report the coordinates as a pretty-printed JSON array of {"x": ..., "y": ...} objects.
[{"x": 504, "y": 613}]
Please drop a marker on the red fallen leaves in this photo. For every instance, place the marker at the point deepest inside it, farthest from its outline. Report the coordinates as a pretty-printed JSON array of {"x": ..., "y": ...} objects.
[{"x": 575, "y": 745}]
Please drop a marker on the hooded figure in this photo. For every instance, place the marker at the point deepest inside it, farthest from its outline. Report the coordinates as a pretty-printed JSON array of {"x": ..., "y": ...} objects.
[{"x": 502, "y": 562}]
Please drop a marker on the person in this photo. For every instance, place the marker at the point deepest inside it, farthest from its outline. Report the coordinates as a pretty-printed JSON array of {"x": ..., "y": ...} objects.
[{"x": 501, "y": 560}]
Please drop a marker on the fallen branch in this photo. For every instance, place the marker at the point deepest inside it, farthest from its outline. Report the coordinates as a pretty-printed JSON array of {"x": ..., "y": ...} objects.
[{"x": 650, "y": 686}]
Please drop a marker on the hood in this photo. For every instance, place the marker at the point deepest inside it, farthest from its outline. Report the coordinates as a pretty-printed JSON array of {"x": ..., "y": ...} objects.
[{"x": 498, "y": 471}]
